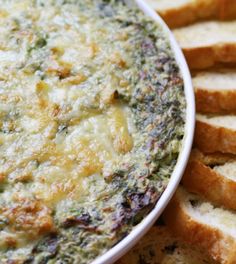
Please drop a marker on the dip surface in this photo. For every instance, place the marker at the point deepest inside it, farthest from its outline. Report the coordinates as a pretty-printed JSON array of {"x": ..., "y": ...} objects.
[{"x": 92, "y": 117}]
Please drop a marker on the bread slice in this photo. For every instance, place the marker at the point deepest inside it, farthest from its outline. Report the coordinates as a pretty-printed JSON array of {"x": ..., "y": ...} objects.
[
  {"x": 183, "y": 12},
  {"x": 160, "y": 246},
  {"x": 179, "y": 13},
  {"x": 202, "y": 224},
  {"x": 216, "y": 134},
  {"x": 215, "y": 92},
  {"x": 208, "y": 44},
  {"x": 213, "y": 177}
]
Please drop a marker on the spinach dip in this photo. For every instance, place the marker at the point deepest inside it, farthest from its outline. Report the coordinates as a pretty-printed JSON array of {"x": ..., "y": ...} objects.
[{"x": 92, "y": 118}]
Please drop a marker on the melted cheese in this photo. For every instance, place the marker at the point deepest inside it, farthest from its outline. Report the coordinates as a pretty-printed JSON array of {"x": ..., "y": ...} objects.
[{"x": 59, "y": 120}]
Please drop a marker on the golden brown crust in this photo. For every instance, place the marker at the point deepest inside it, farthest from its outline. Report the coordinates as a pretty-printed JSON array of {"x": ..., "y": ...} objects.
[
  {"x": 218, "y": 245},
  {"x": 227, "y": 10},
  {"x": 215, "y": 102},
  {"x": 198, "y": 11},
  {"x": 201, "y": 179},
  {"x": 179, "y": 17},
  {"x": 199, "y": 58},
  {"x": 216, "y": 158},
  {"x": 210, "y": 139},
  {"x": 30, "y": 217}
]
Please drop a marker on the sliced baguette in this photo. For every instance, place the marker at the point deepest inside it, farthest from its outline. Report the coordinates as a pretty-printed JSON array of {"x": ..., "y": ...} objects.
[
  {"x": 180, "y": 13},
  {"x": 208, "y": 44},
  {"x": 213, "y": 177},
  {"x": 216, "y": 133},
  {"x": 215, "y": 92},
  {"x": 212, "y": 159},
  {"x": 183, "y": 12},
  {"x": 160, "y": 246},
  {"x": 202, "y": 224}
]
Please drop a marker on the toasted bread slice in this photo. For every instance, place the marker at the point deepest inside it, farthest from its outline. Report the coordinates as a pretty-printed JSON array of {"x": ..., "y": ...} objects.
[
  {"x": 216, "y": 134},
  {"x": 183, "y": 12},
  {"x": 180, "y": 13},
  {"x": 212, "y": 159},
  {"x": 213, "y": 177},
  {"x": 160, "y": 246},
  {"x": 202, "y": 224},
  {"x": 215, "y": 92},
  {"x": 208, "y": 44}
]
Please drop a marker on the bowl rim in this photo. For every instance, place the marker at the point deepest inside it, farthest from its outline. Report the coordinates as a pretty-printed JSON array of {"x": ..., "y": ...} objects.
[{"x": 142, "y": 228}]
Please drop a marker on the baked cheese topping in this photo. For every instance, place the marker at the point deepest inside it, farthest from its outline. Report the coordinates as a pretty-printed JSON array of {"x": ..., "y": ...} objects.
[
  {"x": 60, "y": 121},
  {"x": 71, "y": 124}
]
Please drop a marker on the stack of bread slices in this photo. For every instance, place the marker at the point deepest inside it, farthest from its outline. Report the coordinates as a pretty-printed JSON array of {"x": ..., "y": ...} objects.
[{"x": 201, "y": 218}]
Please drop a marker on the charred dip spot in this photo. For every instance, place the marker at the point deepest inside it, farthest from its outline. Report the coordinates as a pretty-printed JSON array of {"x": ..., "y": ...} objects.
[
  {"x": 176, "y": 79},
  {"x": 161, "y": 62},
  {"x": 83, "y": 222},
  {"x": 148, "y": 47},
  {"x": 138, "y": 201},
  {"x": 134, "y": 208},
  {"x": 49, "y": 246},
  {"x": 83, "y": 219}
]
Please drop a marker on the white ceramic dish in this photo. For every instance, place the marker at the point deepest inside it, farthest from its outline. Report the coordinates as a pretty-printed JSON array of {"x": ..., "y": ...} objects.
[{"x": 140, "y": 230}]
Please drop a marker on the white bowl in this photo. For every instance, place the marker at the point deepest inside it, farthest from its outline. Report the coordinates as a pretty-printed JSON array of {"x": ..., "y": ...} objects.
[{"x": 141, "y": 229}]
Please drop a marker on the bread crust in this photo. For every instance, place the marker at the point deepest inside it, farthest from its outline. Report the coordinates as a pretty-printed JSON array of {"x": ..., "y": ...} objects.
[
  {"x": 210, "y": 138},
  {"x": 160, "y": 246},
  {"x": 220, "y": 246},
  {"x": 201, "y": 179},
  {"x": 219, "y": 55},
  {"x": 178, "y": 17},
  {"x": 199, "y": 10},
  {"x": 216, "y": 158},
  {"x": 215, "y": 102},
  {"x": 227, "y": 10}
]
